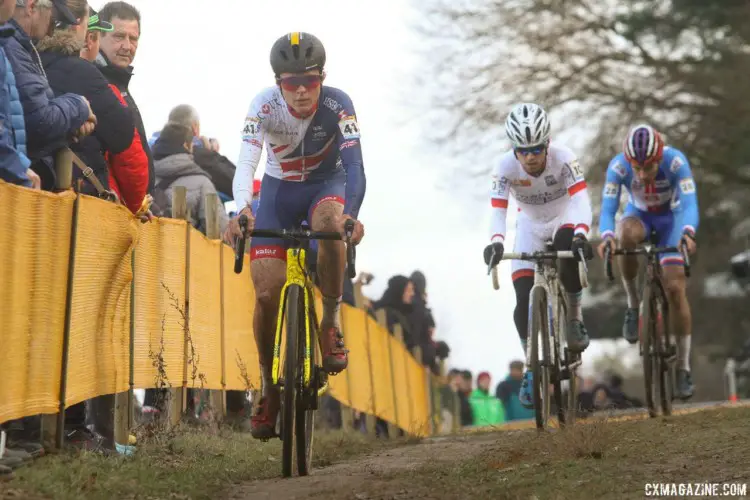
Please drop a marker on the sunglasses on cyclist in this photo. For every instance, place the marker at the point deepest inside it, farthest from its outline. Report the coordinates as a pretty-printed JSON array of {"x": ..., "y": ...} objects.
[
  {"x": 292, "y": 83},
  {"x": 532, "y": 150},
  {"x": 645, "y": 167}
]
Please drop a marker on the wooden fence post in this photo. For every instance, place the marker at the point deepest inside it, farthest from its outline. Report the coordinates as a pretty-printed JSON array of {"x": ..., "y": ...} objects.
[
  {"x": 52, "y": 426},
  {"x": 213, "y": 232},
  {"x": 178, "y": 396}
]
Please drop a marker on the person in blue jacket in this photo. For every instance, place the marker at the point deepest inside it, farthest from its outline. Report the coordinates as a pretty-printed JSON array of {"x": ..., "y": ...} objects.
[
  {"x": 14, "y": 164},
  {"x": 51, "y": 122}
]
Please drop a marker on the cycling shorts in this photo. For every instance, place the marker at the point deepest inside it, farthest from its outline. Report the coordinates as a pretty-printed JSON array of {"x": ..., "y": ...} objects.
[
  {"x": 286, "y": 204},
  {"x": 531, "y": 236},
  {"x": 667, "y": 227}
]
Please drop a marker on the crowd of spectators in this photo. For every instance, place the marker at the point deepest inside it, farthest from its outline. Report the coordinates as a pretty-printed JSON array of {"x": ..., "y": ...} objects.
[
  {"x": 66, "y": 71},
  {"x": 477, "y": 407}
]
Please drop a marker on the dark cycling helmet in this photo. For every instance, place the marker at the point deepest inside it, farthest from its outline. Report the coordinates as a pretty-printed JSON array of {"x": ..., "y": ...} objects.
[
  {"x": 643, "y": 145},
  {"x": 297, "y": 52}
]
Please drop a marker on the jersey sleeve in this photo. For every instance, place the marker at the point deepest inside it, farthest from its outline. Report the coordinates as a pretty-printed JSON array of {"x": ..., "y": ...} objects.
[
  {"x": 250, "y": 151},
  {"x": 685, "y": 185},
  {"x": 350, "y": 152},
  {"x": 579, "y": 210},
  {"x": 500, "y": 191},
  {"x": 610, "y": 199}
]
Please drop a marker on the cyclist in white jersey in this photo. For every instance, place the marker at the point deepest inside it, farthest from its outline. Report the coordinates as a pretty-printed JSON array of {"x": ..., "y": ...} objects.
[
  {"x": 547, "y": 182},
  {"x": 314, "y": 173}
]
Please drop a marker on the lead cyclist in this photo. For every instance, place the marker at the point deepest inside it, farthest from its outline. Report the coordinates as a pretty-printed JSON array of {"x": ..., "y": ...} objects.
[
  {"x": 314, "y": 172},
  {"x": 547, "y": 182}
]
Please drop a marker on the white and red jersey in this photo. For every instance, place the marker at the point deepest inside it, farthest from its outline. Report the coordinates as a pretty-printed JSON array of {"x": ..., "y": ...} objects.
[{"x": 558, "y": 193}]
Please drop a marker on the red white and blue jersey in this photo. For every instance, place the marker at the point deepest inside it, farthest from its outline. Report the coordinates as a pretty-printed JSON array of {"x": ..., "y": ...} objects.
[
  {"x": 302, "y": 149},
  {"x": 673, "y": 190}
]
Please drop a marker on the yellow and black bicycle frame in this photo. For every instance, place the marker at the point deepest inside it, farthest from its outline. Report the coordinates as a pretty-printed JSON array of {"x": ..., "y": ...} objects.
[{"x": 296, "y": 276}]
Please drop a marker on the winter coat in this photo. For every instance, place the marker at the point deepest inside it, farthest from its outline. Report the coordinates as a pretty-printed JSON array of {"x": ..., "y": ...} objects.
[{"x": 114, "y": 149}]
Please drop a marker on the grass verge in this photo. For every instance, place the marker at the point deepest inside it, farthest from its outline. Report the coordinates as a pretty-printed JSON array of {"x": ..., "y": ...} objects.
[
  {"x": 193, "y": 464},
  {"x": 597, "y": 460}
]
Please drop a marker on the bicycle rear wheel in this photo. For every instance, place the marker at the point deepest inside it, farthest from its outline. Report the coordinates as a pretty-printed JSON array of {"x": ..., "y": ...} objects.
[
  {"x": 307, "y": 395},
  {"x": 649, "y": 349},
  {"x": 539, "y": 327},
  {"x": 291, "y": 369},
  {"x": 666, "y": 354},
  {"x": 562, "y": 365}
]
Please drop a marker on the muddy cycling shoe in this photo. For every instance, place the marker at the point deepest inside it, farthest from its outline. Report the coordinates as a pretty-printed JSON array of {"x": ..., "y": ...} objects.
[
  {"x": 578, "y": 337},
  {"x": 263, "y": 423},
  {"x": 526, "y": 394},
  {"x": 335, "y": 357},
  {"x": 684, "y": 384},
  {"x": 630, "y": 326}
]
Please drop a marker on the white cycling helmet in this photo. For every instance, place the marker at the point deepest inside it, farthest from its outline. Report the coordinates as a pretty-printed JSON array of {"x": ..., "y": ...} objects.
[{"x": 527, "y": 125}]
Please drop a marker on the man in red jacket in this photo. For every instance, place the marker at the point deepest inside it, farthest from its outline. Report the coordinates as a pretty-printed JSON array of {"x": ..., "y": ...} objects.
[{"x": 114, "y": 151}]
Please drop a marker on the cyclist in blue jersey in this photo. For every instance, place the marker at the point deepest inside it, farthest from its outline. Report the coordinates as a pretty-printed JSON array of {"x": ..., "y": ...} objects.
[
  {"x": 314, "y": 172},
  {"x": 662, "y": 197}
]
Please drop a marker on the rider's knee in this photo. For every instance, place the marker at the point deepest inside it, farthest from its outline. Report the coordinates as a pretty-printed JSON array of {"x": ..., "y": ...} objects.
[
  {"x": 631, "y": 232},
  {"x": 675, "y": 284},
  {"x": 523, "y": 281},
  {"x": 563, "y": 239}
]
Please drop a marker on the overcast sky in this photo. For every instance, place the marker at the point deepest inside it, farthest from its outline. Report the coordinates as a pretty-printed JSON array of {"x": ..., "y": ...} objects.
[{"x": 215, "y": 56}]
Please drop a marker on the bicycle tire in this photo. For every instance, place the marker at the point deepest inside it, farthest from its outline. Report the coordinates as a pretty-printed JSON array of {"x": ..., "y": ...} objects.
[
  {"x": 648, "y": 348},
  {"x": 569, "y": 411},
  {"x": 538, "y": 326},
  {"x": 288, "y": 399},
  {"x": 555, "y": 362},
  {"x": 305, "y": 412},
  {"x": 666, "y": 367}
]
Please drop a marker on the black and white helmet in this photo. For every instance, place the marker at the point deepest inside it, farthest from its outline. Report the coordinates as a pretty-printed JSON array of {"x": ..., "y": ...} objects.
[{"x": 527, "y": 125}]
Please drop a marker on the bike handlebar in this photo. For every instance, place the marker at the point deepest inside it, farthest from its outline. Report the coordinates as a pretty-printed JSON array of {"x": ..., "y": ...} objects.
[
  {"x": 294, "y": 234},
  {"x": 645, "y": 250},
  {"x": 537, "y": 256}
]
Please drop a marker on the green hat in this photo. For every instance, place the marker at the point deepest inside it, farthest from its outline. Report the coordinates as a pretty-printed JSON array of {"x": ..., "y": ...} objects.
[{"x": 97, "y": 24}]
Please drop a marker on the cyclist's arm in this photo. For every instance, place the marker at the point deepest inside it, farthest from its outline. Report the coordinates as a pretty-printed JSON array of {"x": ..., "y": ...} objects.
[
  {"x": 579, "y": 210},
  {"x": 250, "y": 151},
  {"x": 499, "y": 200},
  {"x": 610, "y": 199},
  {"x": 350, "y": 151},
  {"x": 688, "y": 196}
]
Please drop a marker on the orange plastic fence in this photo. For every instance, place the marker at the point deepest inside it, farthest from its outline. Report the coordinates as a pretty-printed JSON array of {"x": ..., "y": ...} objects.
[{"x": 191, "y": 321}]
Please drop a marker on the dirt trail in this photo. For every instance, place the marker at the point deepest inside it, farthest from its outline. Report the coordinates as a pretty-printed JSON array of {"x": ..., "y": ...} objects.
[{"x": 343, "y": 479}]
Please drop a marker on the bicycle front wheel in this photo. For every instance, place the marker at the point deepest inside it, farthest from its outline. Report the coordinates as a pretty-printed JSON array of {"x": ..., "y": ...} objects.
[
  {"x": 291, "y": 369},
  {"x": 539, "y": 327},
  {"x": 649, "y": 348},
  {"x": 307, "y": 394},
  {"x": 666, "y": 354}
]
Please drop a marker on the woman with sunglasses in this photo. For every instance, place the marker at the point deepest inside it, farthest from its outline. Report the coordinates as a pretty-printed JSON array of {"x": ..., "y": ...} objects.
[
  {"x": 662, "y": 197},
  {"x": 548, "y": 184},
  {"x": 314, "y": 172}
]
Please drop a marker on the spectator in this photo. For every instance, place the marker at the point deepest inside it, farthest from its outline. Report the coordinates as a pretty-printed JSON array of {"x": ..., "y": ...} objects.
[
  {"x": 450, "y": 400},
  {"x": 507, "y": 392},
  {"x": 115, "y": 135},
  {"x": 14, "y": 163},
  {"x": 205, "y": 151},
  {"x": 485, "y": 407},
  {"x": 467, "y": 418},
  {"x": 397, "y": 302},
  {"x": 175, "y": 166},
  {"x": 14, "y": 168},
  {"x": 117, "y": 50},
  {"x": 51, "y": 122}
]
